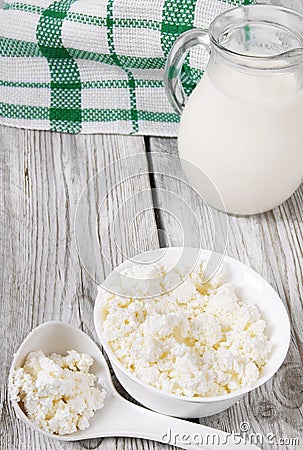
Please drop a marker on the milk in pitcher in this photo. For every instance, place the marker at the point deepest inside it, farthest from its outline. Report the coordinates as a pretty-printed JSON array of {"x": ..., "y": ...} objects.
[
  {"x": 242, "y": 127},
  {"x": 245, "y": 131}
]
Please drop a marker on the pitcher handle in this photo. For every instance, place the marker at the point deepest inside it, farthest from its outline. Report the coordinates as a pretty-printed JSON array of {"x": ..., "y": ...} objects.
[{"x": 175, "y": 60}]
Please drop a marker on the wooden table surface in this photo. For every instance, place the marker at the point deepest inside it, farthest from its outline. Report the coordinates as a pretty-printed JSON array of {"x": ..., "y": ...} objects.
[{"x": 42, "y": 177}]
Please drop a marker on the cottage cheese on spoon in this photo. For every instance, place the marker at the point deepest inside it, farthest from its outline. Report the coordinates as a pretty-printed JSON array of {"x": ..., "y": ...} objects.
[{"x": 57, "y": 392}]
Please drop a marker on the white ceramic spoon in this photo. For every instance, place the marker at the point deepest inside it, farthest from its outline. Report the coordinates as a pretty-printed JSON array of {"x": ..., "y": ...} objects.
[{"x": 119, "y": 417}]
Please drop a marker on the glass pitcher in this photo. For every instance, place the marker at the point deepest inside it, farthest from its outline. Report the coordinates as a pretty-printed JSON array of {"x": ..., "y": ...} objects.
[{"x": 243, "y": 123}]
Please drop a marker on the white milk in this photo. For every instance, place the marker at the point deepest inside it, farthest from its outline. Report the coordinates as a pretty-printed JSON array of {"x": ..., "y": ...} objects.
[{"x": 245, "y": 131}]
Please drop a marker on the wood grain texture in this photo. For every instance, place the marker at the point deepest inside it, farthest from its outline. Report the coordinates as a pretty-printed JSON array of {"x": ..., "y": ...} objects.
[{"x": 42, "y": 177}]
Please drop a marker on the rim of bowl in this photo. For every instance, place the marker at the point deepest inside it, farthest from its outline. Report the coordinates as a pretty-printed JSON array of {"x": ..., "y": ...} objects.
[{"x": 263, "y": 379}]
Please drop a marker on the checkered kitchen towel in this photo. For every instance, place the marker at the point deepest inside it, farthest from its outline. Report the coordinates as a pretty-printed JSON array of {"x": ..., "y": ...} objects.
[{"x": 96, "y": 66}]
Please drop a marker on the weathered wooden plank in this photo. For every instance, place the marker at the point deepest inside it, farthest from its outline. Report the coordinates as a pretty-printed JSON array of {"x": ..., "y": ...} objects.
[
  {"x": 42, "y": 177},
  {"x": 272, "y": 244}
]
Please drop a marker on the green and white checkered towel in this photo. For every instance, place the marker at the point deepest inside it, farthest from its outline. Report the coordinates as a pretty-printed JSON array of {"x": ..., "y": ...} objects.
[{"x": 96, "y": 66}]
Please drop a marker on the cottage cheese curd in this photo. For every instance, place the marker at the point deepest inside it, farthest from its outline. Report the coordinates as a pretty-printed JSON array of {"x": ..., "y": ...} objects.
[
  {"x": 57, "y": 392},
  {"x": 196, "y": 340}
]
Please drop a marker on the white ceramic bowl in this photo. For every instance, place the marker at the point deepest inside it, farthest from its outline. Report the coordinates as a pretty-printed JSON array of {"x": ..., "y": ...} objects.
[{"x": 254, "y": 289}]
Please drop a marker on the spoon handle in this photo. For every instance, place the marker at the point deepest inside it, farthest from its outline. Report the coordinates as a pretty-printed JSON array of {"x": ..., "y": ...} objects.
[{"x": 134, "y": 421}]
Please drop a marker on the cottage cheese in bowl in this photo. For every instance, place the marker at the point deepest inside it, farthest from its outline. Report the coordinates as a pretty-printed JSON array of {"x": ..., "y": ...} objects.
[{"x": 197, "y": 340}]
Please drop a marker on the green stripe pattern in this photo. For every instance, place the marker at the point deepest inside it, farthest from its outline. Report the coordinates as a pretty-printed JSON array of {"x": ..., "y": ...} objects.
[
  {"x": 65, "y": 96},
  {"x": 89, "y": 115},
  {"x": 72, "y": 66},
  {"x": 178, "y": 17},
  {"x": 116, "y": 60}
]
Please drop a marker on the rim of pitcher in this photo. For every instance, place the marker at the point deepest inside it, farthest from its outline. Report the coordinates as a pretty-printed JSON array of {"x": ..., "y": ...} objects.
[{"x": 293, "y": 55}]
